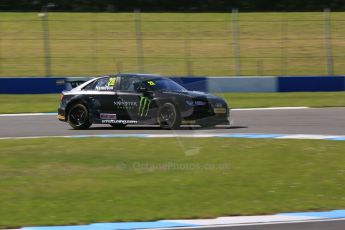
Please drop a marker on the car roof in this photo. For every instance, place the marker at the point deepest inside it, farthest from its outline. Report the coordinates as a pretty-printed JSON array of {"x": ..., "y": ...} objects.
[
  {"x": 142, "y": 75},
  {"x": 145, "y": 76}
]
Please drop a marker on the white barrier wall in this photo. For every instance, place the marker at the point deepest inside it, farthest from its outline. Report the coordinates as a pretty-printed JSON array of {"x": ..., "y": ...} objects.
[{"x": 242, "y": 84}]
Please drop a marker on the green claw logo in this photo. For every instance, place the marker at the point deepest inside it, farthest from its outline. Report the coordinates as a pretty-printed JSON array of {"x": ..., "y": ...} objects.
[{"x": 144, "y": 106}]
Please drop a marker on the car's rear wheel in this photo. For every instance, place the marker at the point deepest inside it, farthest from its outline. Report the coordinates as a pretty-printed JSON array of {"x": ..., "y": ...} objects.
[
  {"x": 118, "y": 126},
  {"x": 169, "y": 116},
  {"x": 78, "y": 117}
]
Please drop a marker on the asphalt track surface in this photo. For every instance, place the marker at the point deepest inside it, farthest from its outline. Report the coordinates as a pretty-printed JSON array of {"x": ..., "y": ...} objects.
[{"x": 324, "y": 121}]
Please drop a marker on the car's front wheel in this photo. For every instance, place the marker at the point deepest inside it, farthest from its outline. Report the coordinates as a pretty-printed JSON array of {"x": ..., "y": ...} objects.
[
  {"x": 78, "y": 117},
  {"x": 169, "y": 116}
]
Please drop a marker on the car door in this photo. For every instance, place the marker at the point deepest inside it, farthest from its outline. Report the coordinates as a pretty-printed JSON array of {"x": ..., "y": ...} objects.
[
  {"x": 103, "y": 96},
  {"x": 132, "y": 104}
]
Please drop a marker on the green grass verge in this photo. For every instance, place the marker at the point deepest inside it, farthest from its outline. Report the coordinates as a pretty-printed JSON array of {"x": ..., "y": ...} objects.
[
  {"x": 50, "y": 102},
  {"x": 255, "y": 100},
  {"x": 29, "y": 103},
  {"x": 100, "y": 43},
  {"x": 74, "y": 181}
]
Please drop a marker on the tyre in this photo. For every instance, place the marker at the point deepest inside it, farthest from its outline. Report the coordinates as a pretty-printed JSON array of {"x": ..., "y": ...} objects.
[
  {"x": 168, "y": 116},
  {"x": 118, "y": 126},
  {"x": 78, "y": 117}
]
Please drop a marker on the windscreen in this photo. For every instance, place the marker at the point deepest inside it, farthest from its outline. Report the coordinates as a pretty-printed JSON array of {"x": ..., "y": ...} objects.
[{"x": 164, "y": 84}]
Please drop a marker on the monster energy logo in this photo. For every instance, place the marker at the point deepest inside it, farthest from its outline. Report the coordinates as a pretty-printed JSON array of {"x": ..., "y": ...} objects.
[{"x": 144, "y": 106}]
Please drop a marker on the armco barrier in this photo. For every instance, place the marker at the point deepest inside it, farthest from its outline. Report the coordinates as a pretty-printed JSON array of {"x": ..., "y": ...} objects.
[
  {"x": 32, "y": 85},
  {"x": 242, "y": 84},
  {"x": 311, "y": 84},
  {"x": 193, "y": 83},
  {"x": 37, "y": 85}
]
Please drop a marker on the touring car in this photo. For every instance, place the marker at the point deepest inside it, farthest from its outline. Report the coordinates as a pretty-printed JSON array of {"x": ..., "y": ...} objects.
[{"x": 127, "y": 99}]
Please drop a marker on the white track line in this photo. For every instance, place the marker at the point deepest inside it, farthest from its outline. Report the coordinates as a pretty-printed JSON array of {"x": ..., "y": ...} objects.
[
  {"x": 244, "y": 135},
  {"x": 308, "y": 136},
  {"x": 27, "y": 114},
  {"x": 270, "y": 108},
  {"x": 253, "y": 224}
]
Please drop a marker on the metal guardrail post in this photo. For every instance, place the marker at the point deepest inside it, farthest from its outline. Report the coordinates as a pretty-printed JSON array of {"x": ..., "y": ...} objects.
[
  {"x": 284, "y": 51},
  {"x": 139, "y": 41},
  {"x": 1, "y": 48},
  {"x": 235, "y": 42},
  {"x": 187, "y": 48},
  {"x": 46, "y": 42},
  {"x": 119, "y": 66},
  {"x": 328, "y": 42},
  {"x": 94, "y": 43},
  {"x": 260, "y": 67}
]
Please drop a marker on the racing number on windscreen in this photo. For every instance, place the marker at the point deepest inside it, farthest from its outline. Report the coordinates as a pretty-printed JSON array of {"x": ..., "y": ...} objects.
[
  {"x": 111, "y": 81},
  {"x": 151, "y": 83}
]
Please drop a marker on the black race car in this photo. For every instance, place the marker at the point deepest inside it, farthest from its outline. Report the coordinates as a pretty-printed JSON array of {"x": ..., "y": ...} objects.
[{"x": 123, "y": 99}]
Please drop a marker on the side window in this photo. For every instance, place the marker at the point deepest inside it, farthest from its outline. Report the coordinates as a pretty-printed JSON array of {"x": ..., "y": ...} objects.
[
  {"x": 129, "y": 83},
  {"x": 105, "y": 84},
  {"x": 89, "y": 86}
]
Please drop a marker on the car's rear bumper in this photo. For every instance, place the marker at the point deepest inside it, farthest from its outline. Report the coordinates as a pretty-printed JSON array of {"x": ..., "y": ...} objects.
[{"x": 61, "y": 115}]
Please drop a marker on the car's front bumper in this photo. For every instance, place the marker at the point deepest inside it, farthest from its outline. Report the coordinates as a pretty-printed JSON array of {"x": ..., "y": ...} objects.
[{"x": 216, "y": 119}]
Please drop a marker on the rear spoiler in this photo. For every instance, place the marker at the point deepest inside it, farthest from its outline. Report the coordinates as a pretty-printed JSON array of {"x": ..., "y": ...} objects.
[{"x": 73, "y": 82}]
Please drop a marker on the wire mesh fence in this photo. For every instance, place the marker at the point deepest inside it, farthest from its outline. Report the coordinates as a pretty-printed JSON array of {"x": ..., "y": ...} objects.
[{"x": 88, "y": 44}]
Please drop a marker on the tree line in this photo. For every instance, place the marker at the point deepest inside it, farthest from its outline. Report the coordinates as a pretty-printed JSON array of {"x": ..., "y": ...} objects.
[{"x": 172, "y": 5}]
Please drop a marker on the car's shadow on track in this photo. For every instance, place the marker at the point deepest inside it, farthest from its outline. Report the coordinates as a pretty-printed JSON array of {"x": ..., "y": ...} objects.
[{"x": 159, "y": 128}]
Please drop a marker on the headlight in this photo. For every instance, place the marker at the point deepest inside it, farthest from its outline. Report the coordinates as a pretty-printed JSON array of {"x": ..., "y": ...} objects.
[
  {"x": 200, "y": 103},
  {"x": 189, "y": 102},
  {"x": 219, "y": 105},
  {"x": 195, "y": 103}
]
